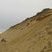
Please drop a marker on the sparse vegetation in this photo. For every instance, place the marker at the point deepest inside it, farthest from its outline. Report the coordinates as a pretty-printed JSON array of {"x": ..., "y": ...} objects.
[
  {"x": 3, "y": 40},
  {"x": 28, "y": 24}
]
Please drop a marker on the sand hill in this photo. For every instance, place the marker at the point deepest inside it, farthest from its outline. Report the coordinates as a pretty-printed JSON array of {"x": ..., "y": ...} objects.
[
  {"x": 32, "y": 35},
  {"x": 0, "y": 32}
]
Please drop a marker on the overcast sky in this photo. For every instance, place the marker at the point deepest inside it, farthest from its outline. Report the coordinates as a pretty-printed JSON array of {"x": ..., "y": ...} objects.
[{"x": 14, "y": 11}]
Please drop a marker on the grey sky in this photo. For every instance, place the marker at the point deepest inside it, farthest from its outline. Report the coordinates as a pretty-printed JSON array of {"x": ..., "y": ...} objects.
[{"x": 14, "y": 11}]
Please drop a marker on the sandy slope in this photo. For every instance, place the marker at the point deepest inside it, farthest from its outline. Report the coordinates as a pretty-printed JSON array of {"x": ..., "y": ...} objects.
[{"x": 32, "y": 35}]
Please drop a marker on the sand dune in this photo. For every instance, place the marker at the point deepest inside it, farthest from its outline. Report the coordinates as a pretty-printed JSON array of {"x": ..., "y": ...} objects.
[{"x": 32, "y": 35}]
